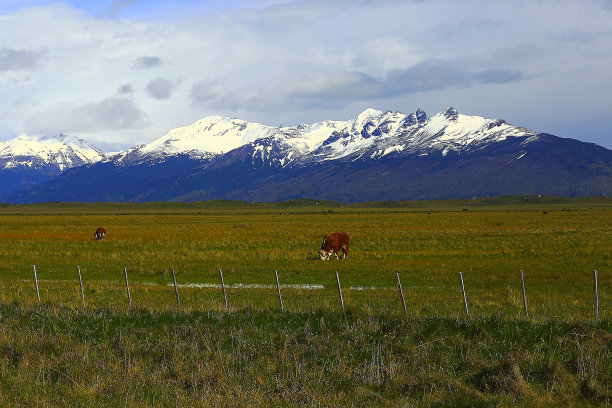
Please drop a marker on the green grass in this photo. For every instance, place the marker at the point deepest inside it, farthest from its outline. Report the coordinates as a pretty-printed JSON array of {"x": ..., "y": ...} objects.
[
  {"x": 108, "y": 357},
  {"x": 59, "y": 353},
  {"x": 557, "y": 251}
]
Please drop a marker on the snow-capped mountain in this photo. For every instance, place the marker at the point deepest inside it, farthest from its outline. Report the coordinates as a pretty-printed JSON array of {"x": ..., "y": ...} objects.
[
  {"x": 59, "y": 151},
  {"x": 375, "y": 156},
  {"x": 371, "y": 135},
  {"x": 202, "y": 140},
  {"x": 375, "y": 135},
  {"x": 216, "y": 135},
  {"x": 26, "y": 161}
]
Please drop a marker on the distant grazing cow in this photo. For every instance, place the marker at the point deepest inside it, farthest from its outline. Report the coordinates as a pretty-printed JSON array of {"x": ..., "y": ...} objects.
[
  {"x": 332, "y": 243},
  {"x": 99, "y": 234}
]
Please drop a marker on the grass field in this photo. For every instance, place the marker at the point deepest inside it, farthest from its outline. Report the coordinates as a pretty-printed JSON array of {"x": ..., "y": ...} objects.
[
  {"x": 252, "y": 354},
  {"x": 488, "y": 243}
]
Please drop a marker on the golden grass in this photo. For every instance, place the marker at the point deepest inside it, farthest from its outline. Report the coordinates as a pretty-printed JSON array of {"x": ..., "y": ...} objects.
[{"x": 557, "y": 251}]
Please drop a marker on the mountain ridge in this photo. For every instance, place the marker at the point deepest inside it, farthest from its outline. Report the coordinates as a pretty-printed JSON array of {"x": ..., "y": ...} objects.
[{"x": 377, "y": 155}]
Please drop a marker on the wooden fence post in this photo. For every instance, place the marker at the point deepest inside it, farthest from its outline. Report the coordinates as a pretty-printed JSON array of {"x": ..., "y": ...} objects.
[
  {"x": 524, "y": 295},
  {"x": 36, "y": 284},
  {"x": 278, "y": 291},
  {"x": 596, "y": 294},
  {"x": 127, "y": 286},
  {"x": 340, "y": 292},
  {"x": 223, "y": 288},
  {"x": 81, "y": 286},
  {"x": 401, "y": 292},
  {"x": 178, "y": 302},
  {"x": 463, "y": 293}
]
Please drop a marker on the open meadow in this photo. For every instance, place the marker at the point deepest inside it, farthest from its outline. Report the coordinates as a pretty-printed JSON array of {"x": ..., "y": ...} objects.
[{"x": 60, "y": 352}]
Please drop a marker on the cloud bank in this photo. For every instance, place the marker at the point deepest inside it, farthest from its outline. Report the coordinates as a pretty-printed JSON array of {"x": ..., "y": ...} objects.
[{"x": 121, "y": 73}]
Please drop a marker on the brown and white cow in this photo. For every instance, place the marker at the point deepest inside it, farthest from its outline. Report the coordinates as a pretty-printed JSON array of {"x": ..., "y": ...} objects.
[
  {"x": 99, "y": 234},
  {"x": 332, "y": 243}
]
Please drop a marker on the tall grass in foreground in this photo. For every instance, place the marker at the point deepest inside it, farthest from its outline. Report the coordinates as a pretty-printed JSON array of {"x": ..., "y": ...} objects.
[{"x": 107, "y": 356}]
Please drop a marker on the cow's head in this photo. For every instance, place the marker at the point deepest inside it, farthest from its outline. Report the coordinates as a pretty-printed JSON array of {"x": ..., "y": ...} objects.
[{"x": 323, "y": 255}]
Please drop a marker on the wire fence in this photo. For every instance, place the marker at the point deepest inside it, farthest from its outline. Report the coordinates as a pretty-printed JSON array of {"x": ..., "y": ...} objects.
[{"x": 446, "y": 299}]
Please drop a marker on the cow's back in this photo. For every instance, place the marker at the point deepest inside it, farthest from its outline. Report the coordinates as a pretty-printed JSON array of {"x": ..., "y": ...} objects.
[{"x": 343, "y": 239}]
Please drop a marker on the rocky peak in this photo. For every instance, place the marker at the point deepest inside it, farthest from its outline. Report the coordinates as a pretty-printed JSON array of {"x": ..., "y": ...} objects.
[{"x": 450, "y": 113}]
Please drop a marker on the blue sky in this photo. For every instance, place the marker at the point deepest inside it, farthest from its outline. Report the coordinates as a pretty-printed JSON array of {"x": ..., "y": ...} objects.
[
  {"x": 143, "y": 9},
  {"x": 118, "y": 73}
]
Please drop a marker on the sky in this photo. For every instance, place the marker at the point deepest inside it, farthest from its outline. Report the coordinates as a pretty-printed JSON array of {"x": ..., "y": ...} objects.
[{"x": 124, "y": 72}]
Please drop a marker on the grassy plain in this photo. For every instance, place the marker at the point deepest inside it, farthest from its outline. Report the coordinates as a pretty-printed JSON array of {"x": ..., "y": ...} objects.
[
  {"x": 253, "y": 355},
  {"x": 488, "y": 242}
]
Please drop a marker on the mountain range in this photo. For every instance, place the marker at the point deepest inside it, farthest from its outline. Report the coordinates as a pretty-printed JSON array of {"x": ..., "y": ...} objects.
[{"x": 375, "y": 156}]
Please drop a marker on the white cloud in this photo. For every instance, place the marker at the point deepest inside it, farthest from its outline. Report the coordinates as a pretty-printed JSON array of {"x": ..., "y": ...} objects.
[
  {"x": 294, "y": 61},
  {"x": 109, "y": 114}
]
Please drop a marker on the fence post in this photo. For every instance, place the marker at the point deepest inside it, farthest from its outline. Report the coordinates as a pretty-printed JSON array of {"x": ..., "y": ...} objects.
[
  {"x": 401, "y": 292},
  {"x": 340, "y": 292},
  {"x": 81, "y": 286},
  {"x": 36, "y": 283},
  {"x": 127, "y": 286},
  {"x": 280, "y": 298},
  {"x": 178, "y": 302},
  {"x": 463, "y": 293},
  {"x": 524, "y": 295},
  {"x": 223, "y": 288},
  {"x": 596, "y": 294}
]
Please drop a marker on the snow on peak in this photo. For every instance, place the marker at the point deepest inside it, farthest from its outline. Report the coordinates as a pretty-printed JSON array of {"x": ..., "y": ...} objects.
[
  {"x": 205, "y": 138},
  {"x": 450, "y": 113},
  {"x": 450, "y": 130},
  {"x": 61, "y": 150},
  {"x": 374, "y": 132},
  {"x": 371, "y": 135},
  {"x": 368, "y": 113}
]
